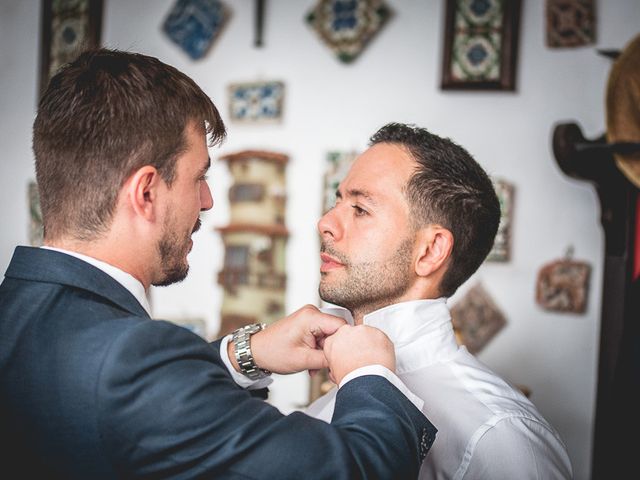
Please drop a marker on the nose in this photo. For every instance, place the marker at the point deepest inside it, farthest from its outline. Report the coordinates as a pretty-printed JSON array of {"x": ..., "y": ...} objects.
[
  {"x": 329, "y": 225},
  {"x": 206, "y": 199}
]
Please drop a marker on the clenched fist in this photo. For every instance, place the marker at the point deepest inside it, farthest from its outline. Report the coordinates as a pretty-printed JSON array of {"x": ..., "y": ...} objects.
[{"x": 350, "y": 348}]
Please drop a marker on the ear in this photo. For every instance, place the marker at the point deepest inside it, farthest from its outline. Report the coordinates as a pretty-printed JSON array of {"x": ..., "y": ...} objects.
[
  {"x": 142, "y": 192},
  {"x": 434, "y": 244}
]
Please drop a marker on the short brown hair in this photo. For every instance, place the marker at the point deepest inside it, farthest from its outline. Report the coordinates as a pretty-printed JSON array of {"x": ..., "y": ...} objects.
[
  {"x": 102, "y": 117},
  {"x": 451, "y": 189}
]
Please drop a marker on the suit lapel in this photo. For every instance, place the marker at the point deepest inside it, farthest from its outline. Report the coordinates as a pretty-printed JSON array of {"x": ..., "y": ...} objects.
[{"x": 42, "y": 265}]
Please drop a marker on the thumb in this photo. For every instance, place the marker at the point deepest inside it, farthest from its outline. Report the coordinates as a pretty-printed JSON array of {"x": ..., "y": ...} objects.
[
  {"x": 316, "y": 360},
  {"x": 325, "y": 325}
]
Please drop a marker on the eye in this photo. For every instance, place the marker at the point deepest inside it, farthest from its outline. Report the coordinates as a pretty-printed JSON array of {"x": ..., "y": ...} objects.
[{"x": 359, "y": 212}]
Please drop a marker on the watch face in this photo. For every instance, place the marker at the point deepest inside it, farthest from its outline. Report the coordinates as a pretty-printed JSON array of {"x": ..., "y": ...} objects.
[{"x": 253, "y": 328}]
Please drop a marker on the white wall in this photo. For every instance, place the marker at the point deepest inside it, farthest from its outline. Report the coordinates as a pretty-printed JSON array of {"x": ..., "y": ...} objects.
[{"x": 331, "y": 106}]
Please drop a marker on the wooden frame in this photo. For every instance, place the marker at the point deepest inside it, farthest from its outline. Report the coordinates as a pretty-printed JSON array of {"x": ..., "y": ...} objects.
[
  {"x": 67, "y": 29},
  {"x": 488, "y": 40}
]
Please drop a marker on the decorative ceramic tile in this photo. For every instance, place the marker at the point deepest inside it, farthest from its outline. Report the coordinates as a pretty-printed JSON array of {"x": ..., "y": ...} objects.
[
  {"x": 338, "y": 164},
  {"x": 194, "y": 25},
  {"x": 501, "y": 250},
  {"x": 478, "y": 42},
  {"x": 476, "y": 319},
  {"x": 347, "y": 26},
  {"x": 562, "y": 286},
  {"x": 570, "y": 23},
  {"x": 256, "y": 102},
  {"x": 68, "y": 28},
  {"x": 35, "y": 216}
]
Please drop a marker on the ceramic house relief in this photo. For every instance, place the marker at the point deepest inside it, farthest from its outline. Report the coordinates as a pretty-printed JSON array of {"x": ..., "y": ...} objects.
[{"x": 253, "y": 276}]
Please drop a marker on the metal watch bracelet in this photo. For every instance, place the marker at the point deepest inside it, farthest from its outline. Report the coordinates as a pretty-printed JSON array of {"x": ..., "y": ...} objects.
[{"x": 242, "y": 345}]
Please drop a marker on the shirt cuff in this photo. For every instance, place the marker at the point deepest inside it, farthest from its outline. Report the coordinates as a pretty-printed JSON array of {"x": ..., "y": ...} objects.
[
  {"x": 389, "y": 375},
  {"x": 242, "y": 380}
]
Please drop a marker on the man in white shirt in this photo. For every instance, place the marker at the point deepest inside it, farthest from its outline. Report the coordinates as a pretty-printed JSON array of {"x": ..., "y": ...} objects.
[
  {"x": 90, "y": 386},
  {"x": 414, "y": 218}
]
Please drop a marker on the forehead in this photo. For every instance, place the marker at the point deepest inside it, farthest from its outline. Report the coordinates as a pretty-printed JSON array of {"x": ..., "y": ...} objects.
[
  {"x": 383, "y": 169},
  {"x": 196, "y": 154}
]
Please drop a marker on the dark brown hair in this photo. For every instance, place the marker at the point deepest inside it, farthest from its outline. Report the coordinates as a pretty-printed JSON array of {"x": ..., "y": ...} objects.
[
  {"x": 451, "y": 189},
  {"x": 101, "y": 118}
]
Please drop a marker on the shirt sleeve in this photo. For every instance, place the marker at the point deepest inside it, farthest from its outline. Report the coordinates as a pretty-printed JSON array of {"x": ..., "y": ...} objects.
[
  {"x": 242, "y": 380},
  {"x": 528, "y": 450},
  {"x": 389, "y": 375}
]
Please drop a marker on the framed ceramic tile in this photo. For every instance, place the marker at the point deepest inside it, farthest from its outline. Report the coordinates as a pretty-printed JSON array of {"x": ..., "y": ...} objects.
[
  {"x": 256, "y": 102},
  {"x": 68, "y": 28},
  {"x": 348, "y": 26},
  {"x": 570, "y": 23},
  {"x": 337, "y": 166},
  {"x": 480, "y": 44},
  {"x": 195, "y": 25},
  {"x": 476, "y": 319},
  {"x": 501, "y": 250}
]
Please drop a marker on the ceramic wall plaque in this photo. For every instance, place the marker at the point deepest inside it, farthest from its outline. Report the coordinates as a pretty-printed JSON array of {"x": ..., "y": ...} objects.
[
  {"x": 348, "y": 26},
  {"x": 501, "y": 250},
  {"x": 195, "y": 25},
  {"x": 68, "y": 28},
  {"x": 563, "y": 285},
  {"x": 476, "y": 319},
  {"x": 256, "y": 102},
  {"x": 480, "y": 44},
  {"x": 570, "y": 23}
]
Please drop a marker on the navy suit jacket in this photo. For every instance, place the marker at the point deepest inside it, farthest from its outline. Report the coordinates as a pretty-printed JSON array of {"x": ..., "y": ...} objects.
[{"x": 92, "y": 388}]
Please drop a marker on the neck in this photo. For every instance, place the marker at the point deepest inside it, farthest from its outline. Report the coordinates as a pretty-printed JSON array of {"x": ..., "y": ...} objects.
[
  {"x": 358, "y": 313},
  {"x": 418, "y": 291},
  {"x": 105, "y": 249}
]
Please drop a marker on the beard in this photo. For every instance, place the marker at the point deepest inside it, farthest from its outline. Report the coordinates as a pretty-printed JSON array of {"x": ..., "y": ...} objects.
[
  {"x": 173, "y": 249},
  {"x": 368, "y": 286}
]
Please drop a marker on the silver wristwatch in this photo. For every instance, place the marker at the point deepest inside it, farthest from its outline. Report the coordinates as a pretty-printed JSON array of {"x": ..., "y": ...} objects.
[{"x": 242, "y": 343}]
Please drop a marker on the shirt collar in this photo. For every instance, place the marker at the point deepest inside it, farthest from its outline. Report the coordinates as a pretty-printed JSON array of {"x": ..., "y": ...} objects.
[
  {"x": 125, "y": 279},
  {"x": 420, "y": 330}
]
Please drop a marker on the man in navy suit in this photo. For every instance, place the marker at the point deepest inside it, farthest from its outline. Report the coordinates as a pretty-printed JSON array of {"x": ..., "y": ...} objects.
[{"x": 91, "y": 387}]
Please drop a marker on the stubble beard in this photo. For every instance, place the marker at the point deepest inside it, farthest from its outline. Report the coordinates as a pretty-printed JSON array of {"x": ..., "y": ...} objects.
[
  {"x": 173, "y": 250},
  {"x": 368, "y": 286}
]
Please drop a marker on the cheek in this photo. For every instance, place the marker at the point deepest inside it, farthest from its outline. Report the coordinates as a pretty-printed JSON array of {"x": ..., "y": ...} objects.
[{"x": 370, "y": 244}]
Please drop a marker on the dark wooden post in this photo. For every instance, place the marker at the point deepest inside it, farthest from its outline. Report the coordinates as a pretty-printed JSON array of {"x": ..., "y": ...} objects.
[{"x": 617, "y": 415}]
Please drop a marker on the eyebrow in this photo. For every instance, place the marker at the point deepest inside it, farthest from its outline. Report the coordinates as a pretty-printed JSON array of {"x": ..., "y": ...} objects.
[
  {"x": 354, "y": 192},
  {"x": 206, "y": 167}
]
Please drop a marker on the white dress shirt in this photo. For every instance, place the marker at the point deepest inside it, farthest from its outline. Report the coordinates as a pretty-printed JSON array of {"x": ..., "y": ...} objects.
[
  {"x": 135, "y": 287},
  {"x": 487, "y": 429}
]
